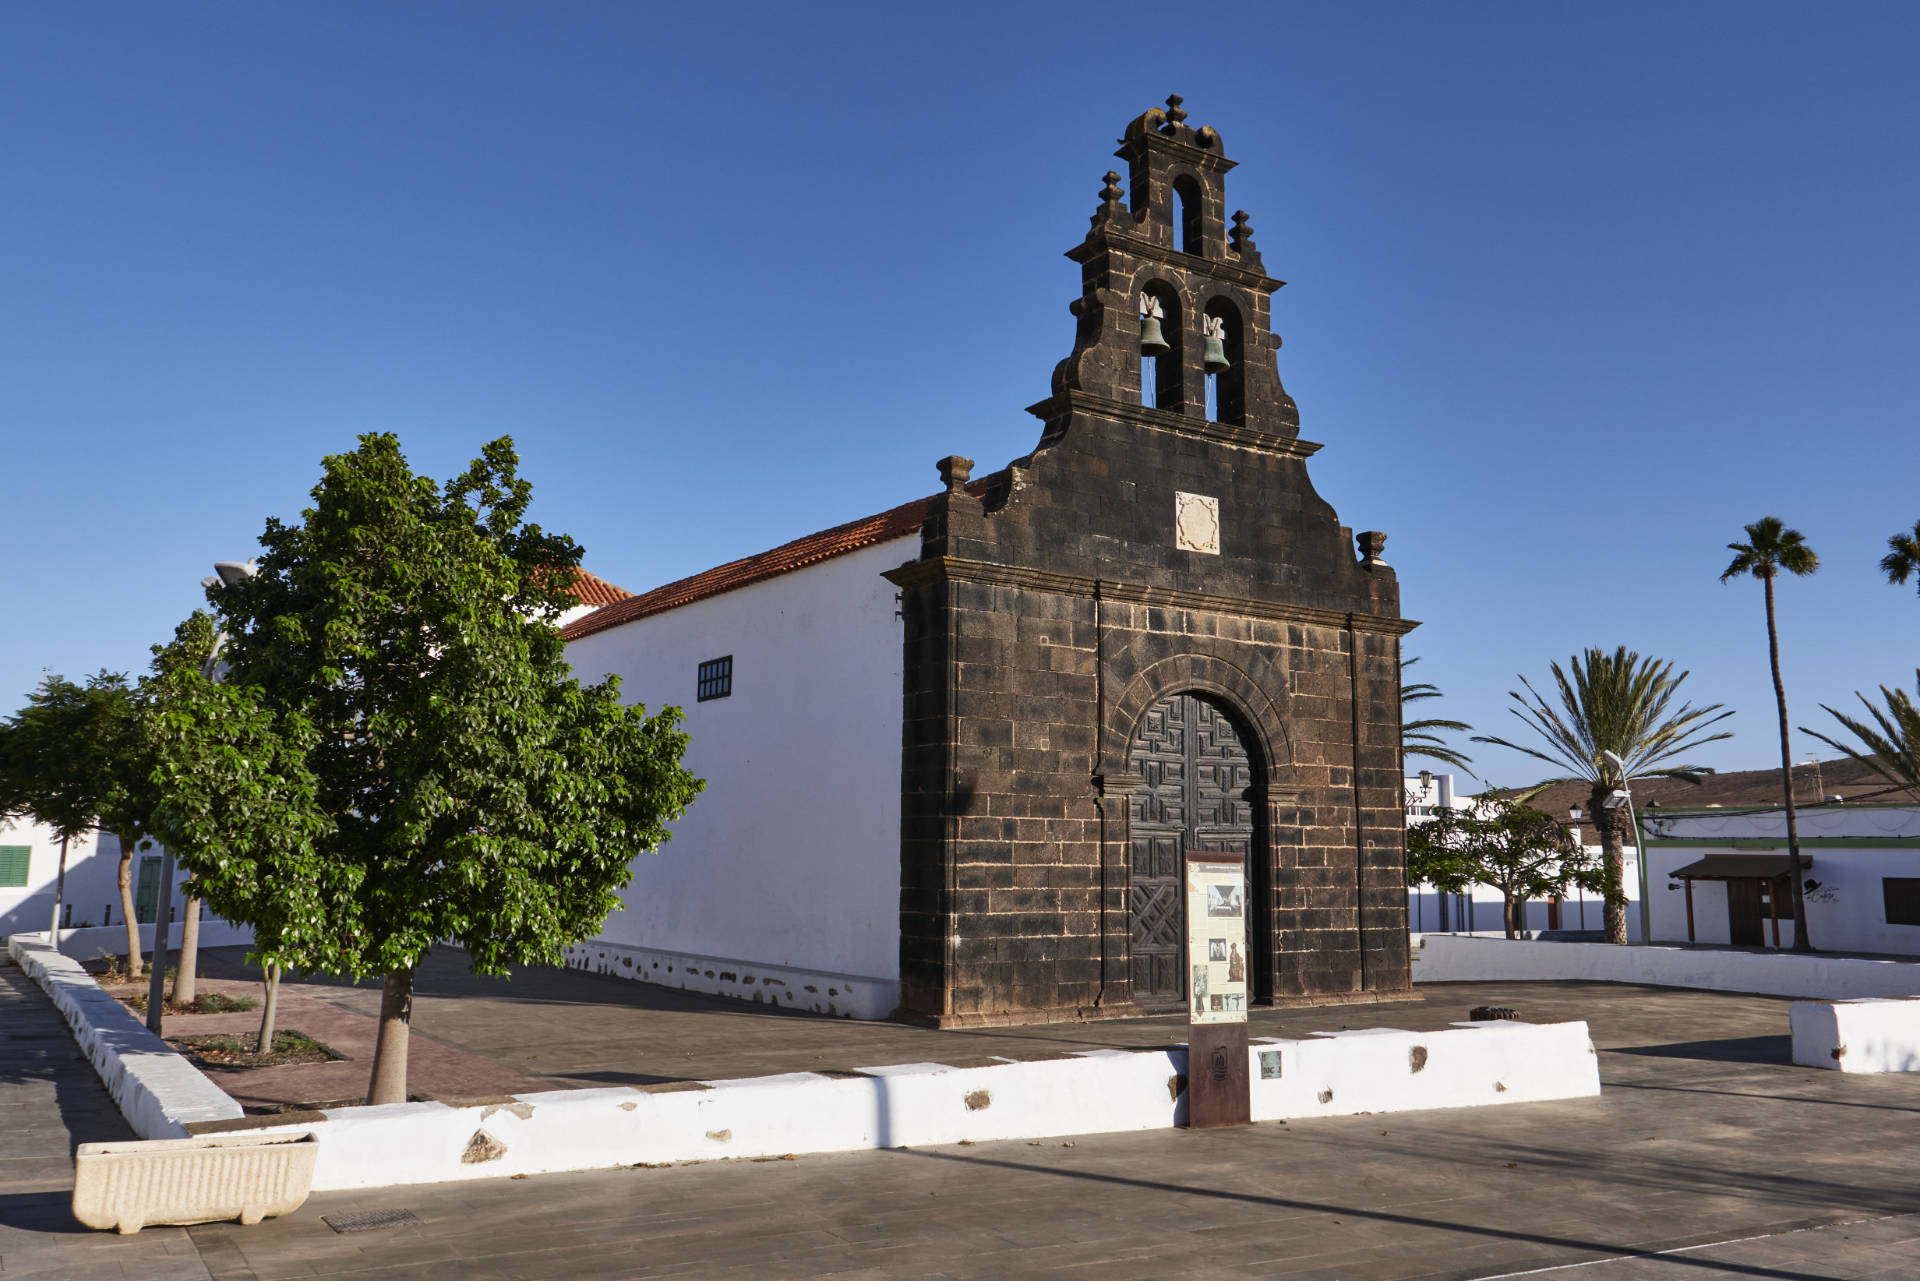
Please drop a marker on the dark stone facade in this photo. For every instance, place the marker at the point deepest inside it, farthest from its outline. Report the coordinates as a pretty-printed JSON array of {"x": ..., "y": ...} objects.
[{"x": 1051, "y": 608}]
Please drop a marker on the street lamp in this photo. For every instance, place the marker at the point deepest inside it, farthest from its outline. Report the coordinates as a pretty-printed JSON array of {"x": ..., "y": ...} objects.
[
  {"x": 1575, "y": 813},
  {"x": 1623, "y": 795},
  {"x": 230, "y": 572}
]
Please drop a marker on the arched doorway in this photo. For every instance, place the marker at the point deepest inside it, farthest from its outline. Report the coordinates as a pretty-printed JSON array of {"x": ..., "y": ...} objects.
[{"x": 1195, "y": 794}]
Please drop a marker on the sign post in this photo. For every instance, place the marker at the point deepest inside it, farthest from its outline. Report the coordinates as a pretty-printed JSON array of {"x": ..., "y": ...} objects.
[{"x": 1218, "y": 1089}]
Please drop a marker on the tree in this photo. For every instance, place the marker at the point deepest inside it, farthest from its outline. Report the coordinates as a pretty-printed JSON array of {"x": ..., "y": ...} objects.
[
  {"x": 193, "y": 644},
  {"x": 1421, "y": 737},
  {"x": 1902, "y": 560},
  {"x": 1517, "y": 849},
  {"x": 1614, "y": 703},
  {"x": 1770, "y": 548},
  {"x": 49, "y": 751},
  {"x": 398, "y": 754},
  {"x": 1892, "y": 743},
  {"x": 70, "y": 760}
]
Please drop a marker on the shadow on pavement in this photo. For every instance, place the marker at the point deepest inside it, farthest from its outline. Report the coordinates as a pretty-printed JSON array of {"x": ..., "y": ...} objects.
[
  {"x": 1738, "y": 1049},
  {"x": 1592, "y": 1249}
]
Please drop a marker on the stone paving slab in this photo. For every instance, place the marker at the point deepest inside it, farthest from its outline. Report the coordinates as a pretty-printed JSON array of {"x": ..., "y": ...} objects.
[
  {"x": 1705, "y": 1133},
  {"x": 50, "y": 1103}
]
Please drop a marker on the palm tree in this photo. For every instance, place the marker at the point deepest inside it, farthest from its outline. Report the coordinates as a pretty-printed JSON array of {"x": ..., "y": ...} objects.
[
  {"x": 1902, "y": 560},
  {"x": 1420, "y": 737},
  {"x": 1893, "y": 749},
  {"x": 1613, "y": 726},
  {"x": 1770, "y": 548}
]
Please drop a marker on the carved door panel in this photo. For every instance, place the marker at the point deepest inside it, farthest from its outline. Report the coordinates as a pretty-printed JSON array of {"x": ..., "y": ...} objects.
[{"x": 1195, "y": 776}]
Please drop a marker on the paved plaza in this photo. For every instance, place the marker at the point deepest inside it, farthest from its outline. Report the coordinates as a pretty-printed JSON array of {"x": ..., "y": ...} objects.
[{"x": 1707, "y": 1144}]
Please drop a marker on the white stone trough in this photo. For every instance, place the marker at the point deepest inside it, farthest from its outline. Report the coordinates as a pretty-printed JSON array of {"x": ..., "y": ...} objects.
[
  {"x": 1867, "y": 1034},
  {"x": 248, "y": 1177}
]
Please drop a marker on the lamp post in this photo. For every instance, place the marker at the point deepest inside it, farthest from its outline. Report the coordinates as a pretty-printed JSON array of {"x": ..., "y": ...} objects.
[
  {"x": 1575, "y": 813},
  {"x": 1625, "y": 793},
  {"x": 230, "y": 572}
]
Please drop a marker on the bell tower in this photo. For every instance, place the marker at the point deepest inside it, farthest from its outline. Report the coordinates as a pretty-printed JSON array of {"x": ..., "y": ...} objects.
[{"x": 1173, "y": 294}]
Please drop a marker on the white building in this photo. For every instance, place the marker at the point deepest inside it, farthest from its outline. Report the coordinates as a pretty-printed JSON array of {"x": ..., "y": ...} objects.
[
  {"x": 1480, "y": 911},
  {"x": 788, "y": 668},
  {"x": 1719, "y": 875},
  {"x": 91, "y": 920}
]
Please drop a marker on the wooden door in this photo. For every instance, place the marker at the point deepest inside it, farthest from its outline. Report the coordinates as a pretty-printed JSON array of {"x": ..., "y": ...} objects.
[
  {"x": 1746, "y": 912},
  {"x": 1195, "y": 776}
]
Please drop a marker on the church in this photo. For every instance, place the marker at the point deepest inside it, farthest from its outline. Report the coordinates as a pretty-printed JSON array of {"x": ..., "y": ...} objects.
[{"x": 956, "y": 751}]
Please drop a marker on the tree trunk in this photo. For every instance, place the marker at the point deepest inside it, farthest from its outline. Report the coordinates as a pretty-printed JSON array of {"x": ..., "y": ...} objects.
[
  {"x": 269, "y": 1008},
  {"x": 1508, "y": 914},
  {"x": 186, "y": 976},
  {"x": 1613, "y": 855},
  {"x": 389, "y": 1083},
  {"x": 1801, "y": 943},
  {"x": 135, "y": 963},
  {"x": 59, "y": 896}
]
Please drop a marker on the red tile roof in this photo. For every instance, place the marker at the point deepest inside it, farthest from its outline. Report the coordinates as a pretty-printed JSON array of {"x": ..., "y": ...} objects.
[
  {"x": 786, "y": 558},
  {"x": 595, "y": 590}
]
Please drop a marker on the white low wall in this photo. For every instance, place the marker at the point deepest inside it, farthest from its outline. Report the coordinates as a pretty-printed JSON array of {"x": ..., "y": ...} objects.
[
  {"x": 817, "y": 991},
  {"x": 85, "y": 944},
  {"x": 1871, "y": 1034},
  {"x": 916, "y": 1104},
  {"x": 1449, "y": 958},
  {"x": 158, "y": 1092}
]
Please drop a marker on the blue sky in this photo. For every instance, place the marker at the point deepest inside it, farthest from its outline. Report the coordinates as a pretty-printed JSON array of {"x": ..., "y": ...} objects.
[{"x": 1575, "y": 292}]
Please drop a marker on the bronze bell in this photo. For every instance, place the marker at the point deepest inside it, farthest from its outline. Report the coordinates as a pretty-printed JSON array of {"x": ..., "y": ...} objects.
[
  {"x": 1214, "y": 354},
  {"x": 1153, "y": 342}
]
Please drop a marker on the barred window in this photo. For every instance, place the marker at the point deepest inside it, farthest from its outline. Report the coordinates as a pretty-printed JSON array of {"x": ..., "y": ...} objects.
[{"x": 716, "y": 678}]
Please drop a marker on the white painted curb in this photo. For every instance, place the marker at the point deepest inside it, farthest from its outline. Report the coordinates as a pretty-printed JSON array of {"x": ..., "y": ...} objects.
[
  {"x": 919, "y": 1104},
  {"x": 158, "y": 1092},
  {"x": 1448, "y": 958},
  {"x": 1867, "y": 1034}
]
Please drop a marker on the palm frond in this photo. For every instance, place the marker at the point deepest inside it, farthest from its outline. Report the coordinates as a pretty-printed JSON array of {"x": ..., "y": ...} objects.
[
  {"x": 1902, "y": 560},
  {"x": 1892, "y": 742},
  {"x": 1620, "y": 703}
]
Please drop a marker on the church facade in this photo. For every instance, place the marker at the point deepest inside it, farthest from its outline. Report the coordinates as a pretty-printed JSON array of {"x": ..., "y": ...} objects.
[{"x": 1024, "y": 698}]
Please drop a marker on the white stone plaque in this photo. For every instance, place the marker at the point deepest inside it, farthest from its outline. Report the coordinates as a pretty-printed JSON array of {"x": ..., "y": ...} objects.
[{"x": 1196, "y": 523}]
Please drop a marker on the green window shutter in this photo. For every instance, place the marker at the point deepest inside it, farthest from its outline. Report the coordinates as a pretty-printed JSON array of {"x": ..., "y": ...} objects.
[
  {"x": 146, "y": 894},
  {"x": 14, "y": 860}
]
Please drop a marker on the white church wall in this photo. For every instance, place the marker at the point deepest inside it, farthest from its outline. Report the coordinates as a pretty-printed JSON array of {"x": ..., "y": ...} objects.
[{"x": 791, "y": 856}]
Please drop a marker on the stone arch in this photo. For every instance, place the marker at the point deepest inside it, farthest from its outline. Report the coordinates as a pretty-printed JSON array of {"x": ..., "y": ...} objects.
[{"x": 1260, "y": 710}]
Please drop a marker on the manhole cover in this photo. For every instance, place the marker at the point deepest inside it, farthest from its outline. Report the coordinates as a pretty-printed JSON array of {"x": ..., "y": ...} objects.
[{"x": 368, "y": 1220}]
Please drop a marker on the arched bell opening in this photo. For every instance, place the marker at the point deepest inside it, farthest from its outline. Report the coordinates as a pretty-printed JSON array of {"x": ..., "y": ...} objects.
[
  {"x": 1162, "y": 348},
  {"x": 1223, "y": 333},
  {"x": 1201, "y": 788},
  {"x": 1189, "y": 215}
]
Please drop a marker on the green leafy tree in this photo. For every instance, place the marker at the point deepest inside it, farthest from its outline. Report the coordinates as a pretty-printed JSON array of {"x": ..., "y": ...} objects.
[
  {"x": 1498, "y": 841},
  {"x": 48, "y": 770},
  {"x": 70, "y": 759},
  {"x": 1421, "y": 737},
  {"x": 192, "y": 645},
  {"x": 399, "y": 754},
  {"x": 1617, "y": 703},
  {"x": 1891, "y": 744},
  {"x": 1902, "y": 560},
  {"x": 1770, "y": 549}
]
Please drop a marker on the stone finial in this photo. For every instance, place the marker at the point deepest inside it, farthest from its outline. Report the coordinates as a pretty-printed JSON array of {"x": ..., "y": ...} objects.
[
  {"x": 1372, "y": 543},
  {"x": 1242, "y": 234},
  {"x": 955, "y": 472},
  {"x": 1112, "y": 192},
  {"x": 1175, "y": 114}
]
